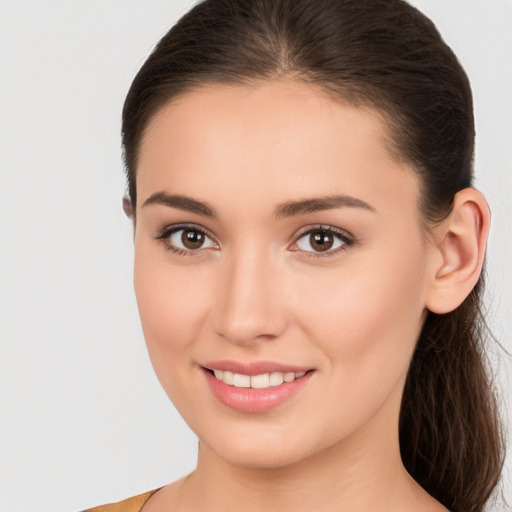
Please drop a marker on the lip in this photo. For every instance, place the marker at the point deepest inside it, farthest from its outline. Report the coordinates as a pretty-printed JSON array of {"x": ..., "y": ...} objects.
[
  {"x": 255, "y": 367},
  {"x": 251, "y": 400}
]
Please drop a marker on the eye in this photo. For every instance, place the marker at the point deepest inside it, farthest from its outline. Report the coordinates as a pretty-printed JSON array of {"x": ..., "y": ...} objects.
[
  {"x": 186, "y": 239},
  {"x": 322, "y": 240}
]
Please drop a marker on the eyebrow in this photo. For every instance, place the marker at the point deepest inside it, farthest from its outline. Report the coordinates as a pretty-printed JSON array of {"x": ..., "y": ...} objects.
[
  {"x": 182, "y": 203},
  {"x": 317, "y": 204},
  {"x": 283, "y": 210}
]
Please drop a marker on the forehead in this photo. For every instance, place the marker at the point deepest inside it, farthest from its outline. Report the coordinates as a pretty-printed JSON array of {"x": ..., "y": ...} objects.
[{"x": 268, "y": 138}]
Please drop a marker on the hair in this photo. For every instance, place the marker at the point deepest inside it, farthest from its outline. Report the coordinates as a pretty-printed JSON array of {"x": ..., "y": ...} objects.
[{"x": 385, "y": 55}]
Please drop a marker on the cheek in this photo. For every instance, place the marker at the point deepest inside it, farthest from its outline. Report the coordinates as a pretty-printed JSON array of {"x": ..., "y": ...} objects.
[
  {"x": 366, "y": 319},
  {"x": 172, "y": 306}
]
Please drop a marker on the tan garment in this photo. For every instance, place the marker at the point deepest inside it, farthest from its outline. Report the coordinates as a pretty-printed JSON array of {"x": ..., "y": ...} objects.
[{"x": 133, "y": 504}]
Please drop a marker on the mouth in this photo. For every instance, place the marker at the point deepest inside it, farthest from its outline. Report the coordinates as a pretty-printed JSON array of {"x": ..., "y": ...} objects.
[
  {"x": 261, "y": 381},
  {"x": 257, "y": 387}
]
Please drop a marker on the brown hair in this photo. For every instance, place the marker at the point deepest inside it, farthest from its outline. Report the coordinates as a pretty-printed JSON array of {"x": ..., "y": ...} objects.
[{"x": 387, "y": 55}]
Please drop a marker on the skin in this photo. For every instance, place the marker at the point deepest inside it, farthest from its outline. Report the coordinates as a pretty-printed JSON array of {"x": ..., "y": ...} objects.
[{"x": 258, "y": 291}]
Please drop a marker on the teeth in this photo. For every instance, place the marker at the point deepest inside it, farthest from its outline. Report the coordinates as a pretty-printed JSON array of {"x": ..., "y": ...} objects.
[
  {"x": 288, "y": 377},
  {"x": 276, "y": 379},
  {"x": 262, "y": 381},
  {"x": 228, "y": 378},
  {"x": 241, "y": 381}
]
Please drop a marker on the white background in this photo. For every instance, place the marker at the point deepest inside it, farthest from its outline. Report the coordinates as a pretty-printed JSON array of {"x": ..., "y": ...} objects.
[{"x": 83, "y": 420}]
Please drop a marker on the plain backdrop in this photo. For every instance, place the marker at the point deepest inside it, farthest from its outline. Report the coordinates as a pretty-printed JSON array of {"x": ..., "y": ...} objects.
[{"x": 83, "y": 420}]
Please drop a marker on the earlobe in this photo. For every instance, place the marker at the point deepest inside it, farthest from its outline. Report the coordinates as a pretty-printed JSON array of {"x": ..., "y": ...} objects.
[{"x": 459, "y": 247}]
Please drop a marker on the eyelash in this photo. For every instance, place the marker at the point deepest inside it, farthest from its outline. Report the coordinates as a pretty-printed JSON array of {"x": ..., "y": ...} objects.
[
  {"x": 168, "y": 231},
  {"x": 343, "y": 236}
]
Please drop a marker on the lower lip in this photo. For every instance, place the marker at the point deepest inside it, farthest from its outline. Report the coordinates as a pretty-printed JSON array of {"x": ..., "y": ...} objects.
[{"x": 252, "y": 399}]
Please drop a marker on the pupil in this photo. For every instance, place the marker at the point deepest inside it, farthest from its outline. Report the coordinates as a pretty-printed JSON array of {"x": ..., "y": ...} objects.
[
  {"x": 321, "y": 241},
  {"x": 192, "y": 239}
]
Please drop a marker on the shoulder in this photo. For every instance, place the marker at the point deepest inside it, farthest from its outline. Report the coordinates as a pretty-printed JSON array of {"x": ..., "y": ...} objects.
[{"x": 133, "y": 504}]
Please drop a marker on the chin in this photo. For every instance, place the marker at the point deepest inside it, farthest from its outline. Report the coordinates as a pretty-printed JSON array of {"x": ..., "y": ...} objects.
[
  {"x": 268, "y": 450},
  {"x": 260, "y": 458}
]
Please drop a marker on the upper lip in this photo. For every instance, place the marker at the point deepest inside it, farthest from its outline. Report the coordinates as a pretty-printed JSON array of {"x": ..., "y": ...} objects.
[{"x": 255, "y": 367}]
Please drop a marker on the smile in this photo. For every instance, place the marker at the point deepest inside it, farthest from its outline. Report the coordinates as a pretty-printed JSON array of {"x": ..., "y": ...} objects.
[
  {"x": 256, "y": 387},
  {"x": 262, "y": 381}
]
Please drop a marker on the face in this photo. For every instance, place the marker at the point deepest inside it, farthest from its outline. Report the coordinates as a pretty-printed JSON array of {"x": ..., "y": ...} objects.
[{"x": 275, "y": 235}]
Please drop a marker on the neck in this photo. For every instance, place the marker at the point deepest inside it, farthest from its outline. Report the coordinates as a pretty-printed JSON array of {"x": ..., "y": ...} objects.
[{"x": 315, "y": 483}]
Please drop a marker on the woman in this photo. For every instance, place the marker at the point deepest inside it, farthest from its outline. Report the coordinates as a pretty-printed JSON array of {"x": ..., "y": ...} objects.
[{"x": 308, "y": 257}]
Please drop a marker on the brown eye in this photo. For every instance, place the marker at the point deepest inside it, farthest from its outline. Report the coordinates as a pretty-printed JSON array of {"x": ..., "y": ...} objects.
[
  {"x": 192, "y": 239},
  {"x": 187, "y": 240},
  {"x": 321, "y": 240}
]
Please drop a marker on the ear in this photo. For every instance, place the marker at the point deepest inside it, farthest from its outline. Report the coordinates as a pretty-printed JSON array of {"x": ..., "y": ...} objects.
[
  {"x": 458, "y": 251},
  {"x": 129, "y": 211},
  {"x": 128, "y": 207}
]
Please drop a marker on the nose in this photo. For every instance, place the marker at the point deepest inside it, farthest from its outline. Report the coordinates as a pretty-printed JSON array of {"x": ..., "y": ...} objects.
[{"x": 251, "y": 301}]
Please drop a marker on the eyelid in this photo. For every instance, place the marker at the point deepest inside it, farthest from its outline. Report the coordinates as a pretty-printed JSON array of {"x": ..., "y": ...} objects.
[
  {"x": 343, "y": 235},
  {"x": 347, "y": 239},
  {"x": 164, "y": 234}
]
